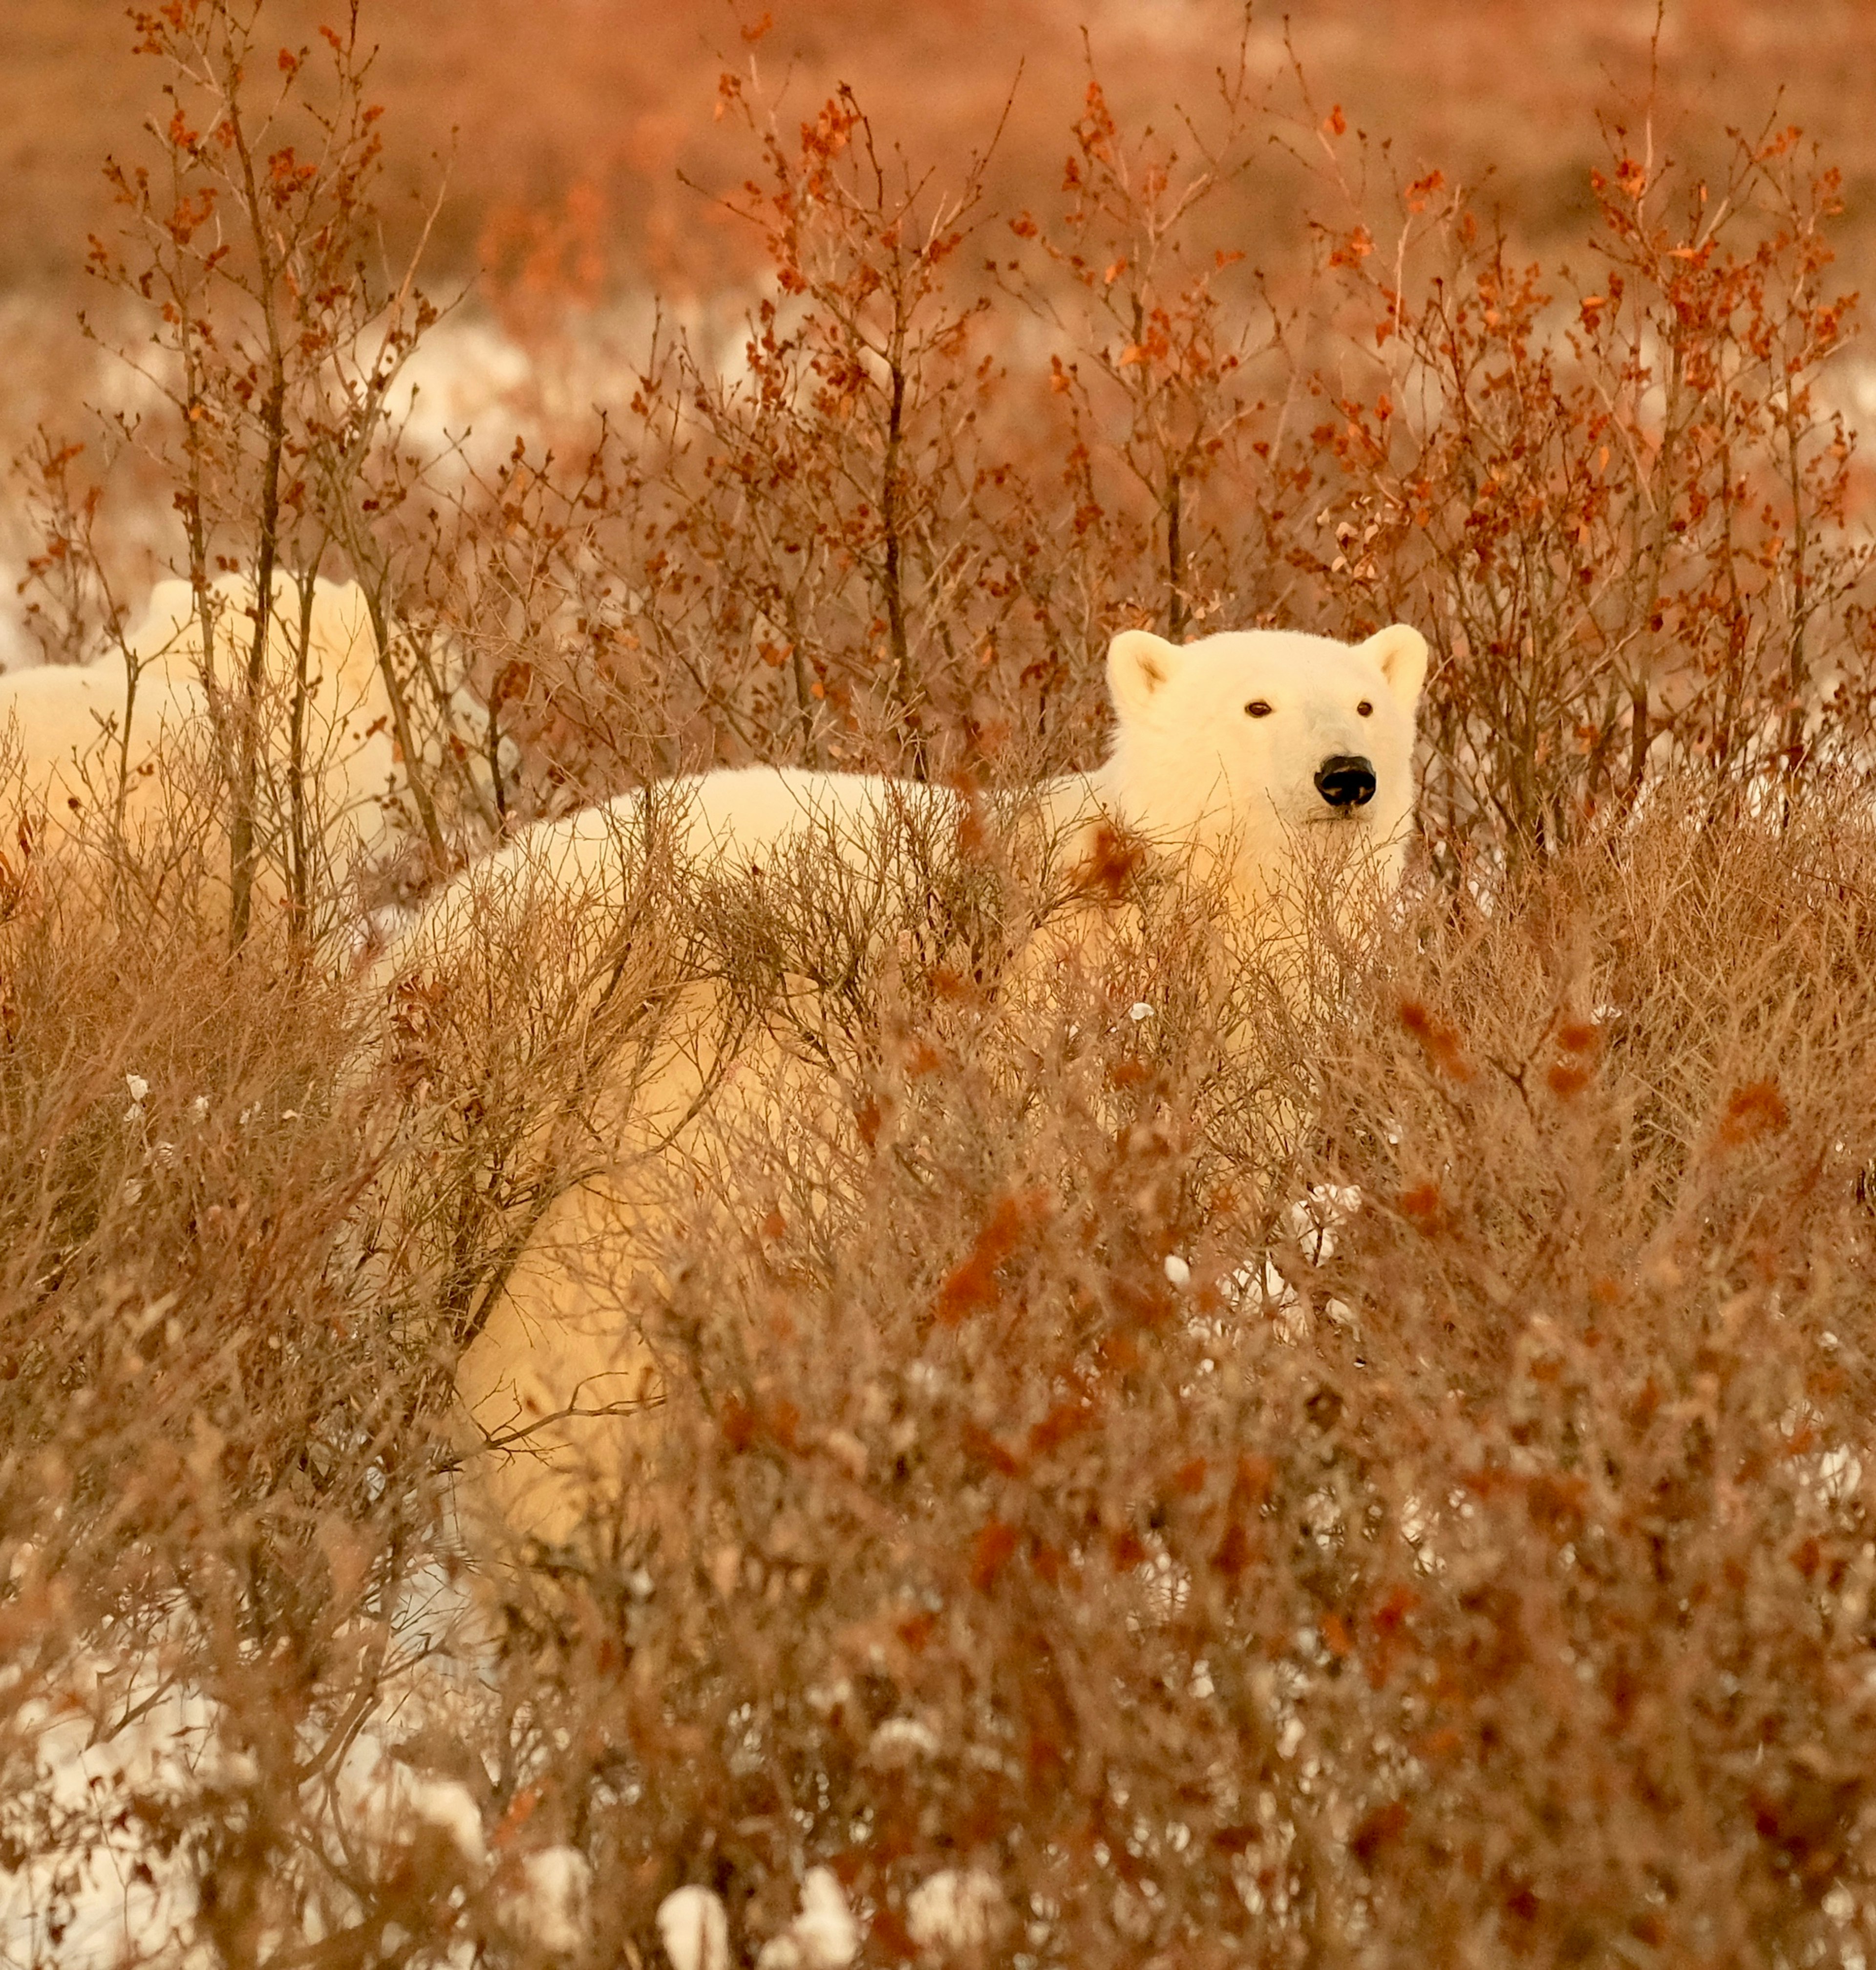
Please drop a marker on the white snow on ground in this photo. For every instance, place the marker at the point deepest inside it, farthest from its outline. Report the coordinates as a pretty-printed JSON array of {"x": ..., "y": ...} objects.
[
  {"x": 1310, "y": 1224},
  {"x": 547, "y": 1909},
  {"x": 95, "y": 1751},
  {"x": 956, "y": 1908},
  {"x": 823, "y": 1936},
  {"x": 694, "y": 1927},
  {"x": 462, "y": 385},
  {"x": 108, "y": 1903},
  {"x": 17, "y": 648}
]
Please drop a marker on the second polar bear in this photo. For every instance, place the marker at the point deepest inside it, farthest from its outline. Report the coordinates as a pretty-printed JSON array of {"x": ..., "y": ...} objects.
[
  {"x": 87, "y": 747},
  {"x": 1236, "y": 755}
]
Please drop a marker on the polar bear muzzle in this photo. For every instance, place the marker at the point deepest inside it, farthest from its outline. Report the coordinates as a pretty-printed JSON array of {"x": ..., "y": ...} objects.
[{"x": 1345, "y": 781}]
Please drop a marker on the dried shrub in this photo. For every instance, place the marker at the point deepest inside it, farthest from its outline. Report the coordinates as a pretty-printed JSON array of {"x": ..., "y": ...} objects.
[
  {"x": 1170, "y": 1450},
  {"x": 1611, "y": 491}
]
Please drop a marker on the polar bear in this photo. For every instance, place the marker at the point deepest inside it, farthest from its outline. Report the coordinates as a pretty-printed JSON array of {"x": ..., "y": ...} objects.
[
  {"x": 1239, "y": 755},
  {"x": 131, "y": 735}
]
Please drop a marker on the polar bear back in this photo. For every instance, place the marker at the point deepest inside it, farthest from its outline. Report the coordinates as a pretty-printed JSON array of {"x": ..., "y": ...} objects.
[
  {"x": 728, "y": 818},
  {"x": 733, "y": 821},
  {"x": 63, "y": 725},
  {"x": 340, "y": 641}
]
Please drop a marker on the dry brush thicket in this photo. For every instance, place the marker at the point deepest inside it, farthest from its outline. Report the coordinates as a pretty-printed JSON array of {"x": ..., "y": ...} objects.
[{"x": 1394, "y": 1489}]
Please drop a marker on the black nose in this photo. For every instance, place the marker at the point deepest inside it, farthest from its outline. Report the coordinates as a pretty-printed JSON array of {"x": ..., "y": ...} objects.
[{"x": 1344, "y": 781}]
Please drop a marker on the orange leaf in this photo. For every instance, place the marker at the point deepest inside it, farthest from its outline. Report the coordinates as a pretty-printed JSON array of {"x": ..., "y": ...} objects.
[
  {"x": 991, "y": 1552},
  {"x": 1753, "y": 1111}
]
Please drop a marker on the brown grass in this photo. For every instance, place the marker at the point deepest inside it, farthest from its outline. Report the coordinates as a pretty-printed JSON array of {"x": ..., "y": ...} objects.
[{"x": 1394, "y": 1488}]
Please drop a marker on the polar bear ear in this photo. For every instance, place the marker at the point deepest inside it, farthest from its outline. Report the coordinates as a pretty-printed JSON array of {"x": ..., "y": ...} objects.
[
  {"x": 1399, "y": 653},
  {"x": 1140, "y": 667}
]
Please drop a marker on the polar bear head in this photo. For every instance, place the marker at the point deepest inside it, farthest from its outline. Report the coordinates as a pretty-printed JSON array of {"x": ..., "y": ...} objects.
[{"x": 1263, "y": 746}]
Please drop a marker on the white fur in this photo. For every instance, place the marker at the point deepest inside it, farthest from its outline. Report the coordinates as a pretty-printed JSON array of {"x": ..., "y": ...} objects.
[
  {"x": 1191, "y": 768},
  {"x": 1188, "y": 770},
  {"x": 68, "y": 722},
  {"x": 1191, "y": 771},
  {"x": 727, "y": 820}
]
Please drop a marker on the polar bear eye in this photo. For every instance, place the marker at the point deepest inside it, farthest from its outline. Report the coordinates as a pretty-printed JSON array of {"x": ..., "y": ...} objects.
[
  {"x": 1364, "y": 710},
  {"x": 1258, "y": 708}
]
